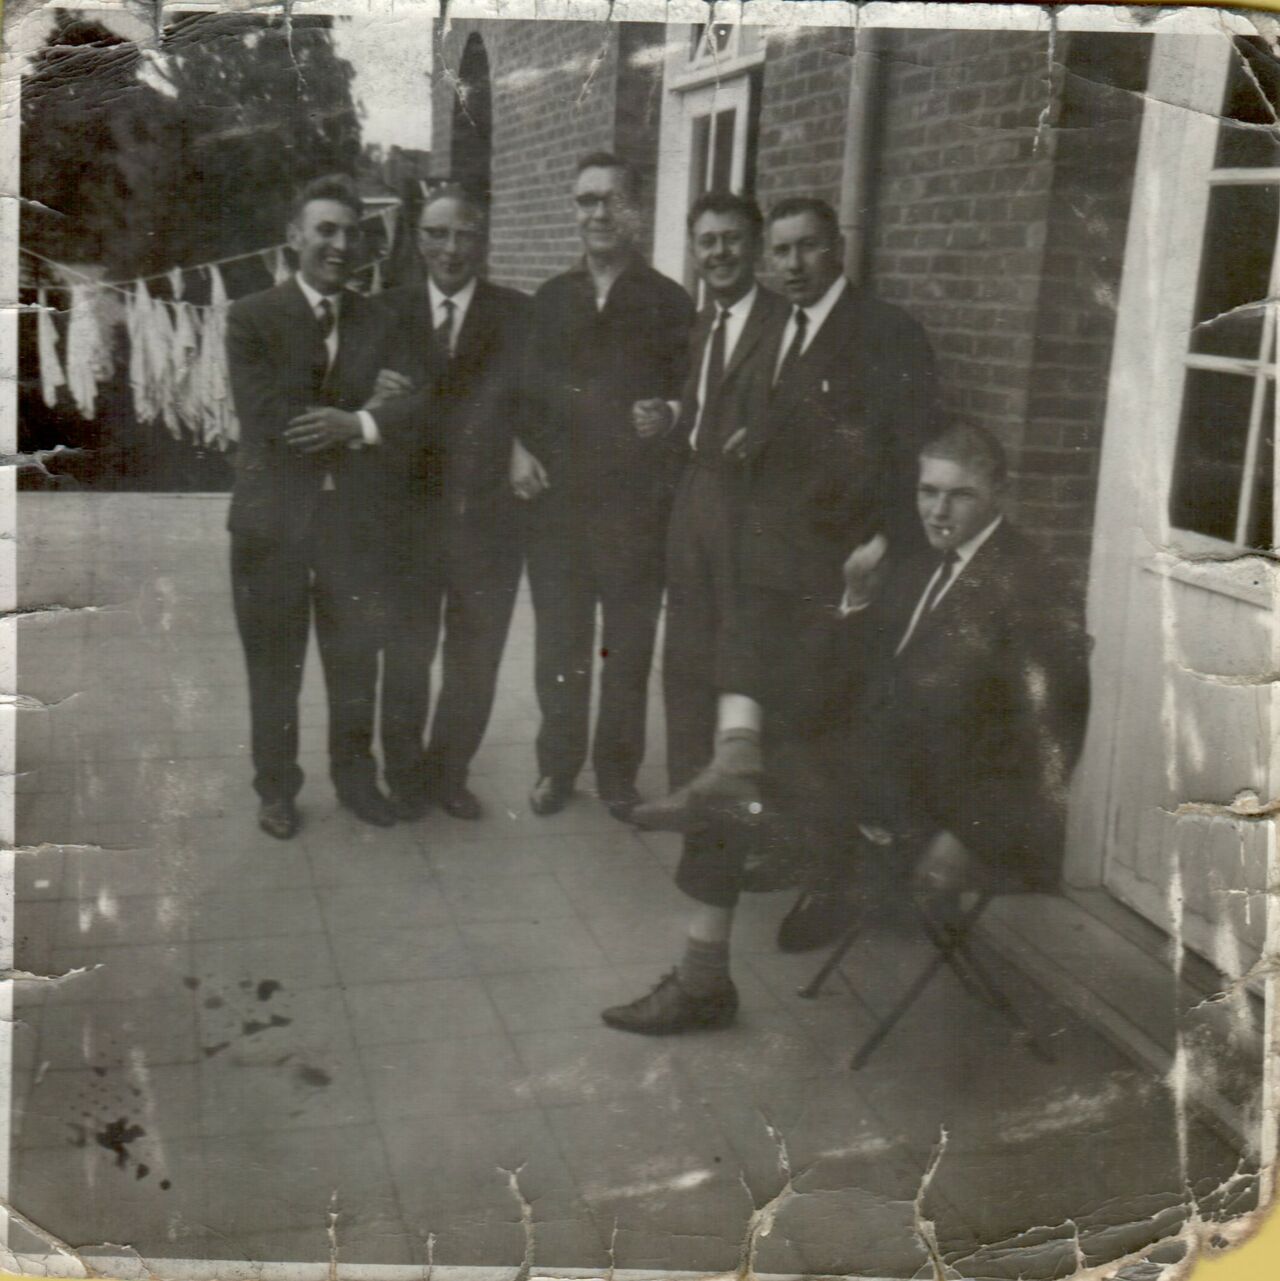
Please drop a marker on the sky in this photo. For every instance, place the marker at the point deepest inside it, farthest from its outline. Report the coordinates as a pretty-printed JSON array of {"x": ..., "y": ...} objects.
[{"x": 391, "y": 54}]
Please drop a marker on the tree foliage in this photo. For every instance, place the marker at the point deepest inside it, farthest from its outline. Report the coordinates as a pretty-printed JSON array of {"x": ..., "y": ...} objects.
[{"x": 144, "y": 159}]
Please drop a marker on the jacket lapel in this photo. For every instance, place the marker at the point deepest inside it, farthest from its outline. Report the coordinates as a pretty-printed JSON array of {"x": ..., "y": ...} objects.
[
  {"x": 971, "y": 584},
  {"x": 829, "y": 345},
  {"x": 752, "y": 332},
  {"x": 476, "y": 334}
]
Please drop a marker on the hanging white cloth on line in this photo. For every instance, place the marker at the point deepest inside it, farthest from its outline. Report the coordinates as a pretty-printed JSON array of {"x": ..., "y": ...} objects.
[
  {"x": 52, "y": 379},
  {"x": 88, "y": 356}
]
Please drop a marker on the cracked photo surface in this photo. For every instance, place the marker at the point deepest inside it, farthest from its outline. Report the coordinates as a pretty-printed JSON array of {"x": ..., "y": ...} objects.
[{"x": 641, "y": 639}]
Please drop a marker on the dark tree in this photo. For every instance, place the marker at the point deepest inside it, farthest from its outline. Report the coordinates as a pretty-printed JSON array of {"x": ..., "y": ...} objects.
[{"x": 143, "y": 162}]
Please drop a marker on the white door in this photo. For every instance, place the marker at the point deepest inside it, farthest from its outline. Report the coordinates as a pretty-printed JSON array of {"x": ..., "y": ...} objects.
[{"x": 1181, "y": 611}]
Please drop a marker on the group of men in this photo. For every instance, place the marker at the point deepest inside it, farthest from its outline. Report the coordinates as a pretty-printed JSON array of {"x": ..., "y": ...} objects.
[{"x": 859, "y": 648}]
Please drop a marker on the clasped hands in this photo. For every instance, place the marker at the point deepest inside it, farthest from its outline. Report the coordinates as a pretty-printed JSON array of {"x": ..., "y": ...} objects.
[{"x": 327, "y": 427}]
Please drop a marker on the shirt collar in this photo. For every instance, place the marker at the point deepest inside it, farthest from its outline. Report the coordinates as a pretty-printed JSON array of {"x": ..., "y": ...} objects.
[
  {"x": 461, "y": 300},
  {"x": 968, "y": 550},
  {"x": 820, "y": 310},
  {"x": 313, "y": 297},
  {"x": 741, "y": 308}
]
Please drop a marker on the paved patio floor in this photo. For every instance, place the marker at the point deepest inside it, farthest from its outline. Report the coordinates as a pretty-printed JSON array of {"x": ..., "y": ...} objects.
[{"x": 400, "y": 1029}]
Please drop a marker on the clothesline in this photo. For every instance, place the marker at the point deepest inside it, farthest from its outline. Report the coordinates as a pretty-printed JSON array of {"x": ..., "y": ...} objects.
[
  {"x": 176, "y": 362},
  {"x": 128, "y": 287}
]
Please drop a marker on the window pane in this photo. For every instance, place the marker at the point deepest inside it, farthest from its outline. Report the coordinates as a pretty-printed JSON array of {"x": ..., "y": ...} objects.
[
  {"x": 1260, "y": 517},
  {"x": 1252, "y": 99},
  {"x": 1239, "y": 241},
  {"x": 1210, "y": 460},
  {"x": 722, "y": 175},
  {"x": 699, "y": 149}
]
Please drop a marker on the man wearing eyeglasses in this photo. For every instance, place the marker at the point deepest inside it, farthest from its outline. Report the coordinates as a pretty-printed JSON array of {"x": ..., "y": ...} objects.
[
  {"x": 456, "y": 558},
  {"x": 609, "y": 348}
]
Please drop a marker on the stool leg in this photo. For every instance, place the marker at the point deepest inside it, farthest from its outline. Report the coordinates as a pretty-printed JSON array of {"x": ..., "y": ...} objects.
[
  {"x": 904, "y": 1003},
  {"x": 838, "y": 953}
]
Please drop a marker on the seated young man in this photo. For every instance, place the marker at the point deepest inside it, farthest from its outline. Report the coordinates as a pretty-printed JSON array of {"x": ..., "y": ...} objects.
[{"x": 973, "y": 696}]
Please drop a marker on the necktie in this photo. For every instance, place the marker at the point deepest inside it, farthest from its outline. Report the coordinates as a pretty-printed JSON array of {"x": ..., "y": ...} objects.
[
  {"x": 938, "y": 584},
  {"x": 946, "y": 571},
  {"x": 444, "y": 330},
  {"x": 792, "y": 358},
  {"x": 715, "y": 376},
  {"x": 325, "y": 315}
]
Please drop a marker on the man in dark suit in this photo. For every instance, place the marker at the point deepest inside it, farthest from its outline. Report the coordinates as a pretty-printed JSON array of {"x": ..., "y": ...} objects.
[
  {"x": 976, "y": 682},
  {"x": 828, "y": 422},
  {"x": 607, "y": 334},
  {"x": 461, "y": 343},
  {"x": 305, "y": 511}
]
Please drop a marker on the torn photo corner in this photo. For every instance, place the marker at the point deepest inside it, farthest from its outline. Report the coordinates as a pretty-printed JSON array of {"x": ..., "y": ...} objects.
[{"x": 638, "y": 639}]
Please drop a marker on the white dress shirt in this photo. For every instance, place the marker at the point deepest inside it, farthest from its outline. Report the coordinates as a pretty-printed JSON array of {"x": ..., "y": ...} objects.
[
  {"x": 461, "y": 302},
  {"x": 314, "y": 299},
  {"x": 817, "y": 313},
  {"x": 733, "y": 327},
  {"x": 368, "y": 428},
  {"x": 964, "y": 554}
]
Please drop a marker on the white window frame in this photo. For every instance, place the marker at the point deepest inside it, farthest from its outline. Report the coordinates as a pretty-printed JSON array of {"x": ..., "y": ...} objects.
[{"x": 695, "y": 87}]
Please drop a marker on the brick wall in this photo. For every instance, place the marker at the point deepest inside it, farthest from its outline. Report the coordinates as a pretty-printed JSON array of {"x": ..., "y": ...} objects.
[
  {"x": 1002, "y": 195},
  {"x": 560, "y": 89},
  {"x": 1088, "y": 215},
  {"x": 804, "y": 105}
]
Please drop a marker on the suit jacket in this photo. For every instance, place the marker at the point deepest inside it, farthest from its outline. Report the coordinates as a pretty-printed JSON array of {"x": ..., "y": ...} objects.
[
  {"x": 277, "y": 362},
  {"x": 584, "y": 370},
  {"x": 768, "y": 311},
  {"x": 976, "y": 725},
  {"x": 459, "y": 424},
  {"x": 831, "y": 453}
]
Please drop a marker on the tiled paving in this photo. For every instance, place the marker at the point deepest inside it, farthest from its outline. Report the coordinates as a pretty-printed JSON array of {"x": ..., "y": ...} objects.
[{"x": 401, "y": 1027}]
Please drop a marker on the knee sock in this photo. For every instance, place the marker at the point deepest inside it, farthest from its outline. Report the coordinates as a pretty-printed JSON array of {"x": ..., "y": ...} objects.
[{"x": 704, "y": 968}]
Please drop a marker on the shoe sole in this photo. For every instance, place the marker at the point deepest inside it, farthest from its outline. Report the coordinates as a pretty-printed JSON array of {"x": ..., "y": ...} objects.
[{"x": 709, "y": 1025}]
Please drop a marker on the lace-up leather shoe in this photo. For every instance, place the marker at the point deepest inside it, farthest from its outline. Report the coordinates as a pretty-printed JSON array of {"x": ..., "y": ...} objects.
[{"x": 669, "y": 1009}]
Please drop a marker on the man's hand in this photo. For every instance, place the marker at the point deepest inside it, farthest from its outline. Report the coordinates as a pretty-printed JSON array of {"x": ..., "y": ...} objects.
[
  {"x": 945, "y": 868},
  {"x": 321, "y": 429},
  {"x": 527, "y": 474},
  {"x": 652, "y": 418},
  {"x": 387, "y": 386},
  {"x": 736, "y": 445},
  {"x": 863, "y": 571}
]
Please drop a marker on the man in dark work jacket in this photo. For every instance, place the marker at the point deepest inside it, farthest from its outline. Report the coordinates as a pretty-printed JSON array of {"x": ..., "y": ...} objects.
[
  {"x": 609, "y": 345},
  {"x": 461, "y": 342}
]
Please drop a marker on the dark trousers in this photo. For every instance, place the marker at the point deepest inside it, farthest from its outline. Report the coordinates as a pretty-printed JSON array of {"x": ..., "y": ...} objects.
[
  {"x": 788, "y": 652},
  {"x": 275, "y": 587},
  {"x": 700, "y": 585},
  {"x": 579, "y": 561},
  {"x": 460, "y": 573}
]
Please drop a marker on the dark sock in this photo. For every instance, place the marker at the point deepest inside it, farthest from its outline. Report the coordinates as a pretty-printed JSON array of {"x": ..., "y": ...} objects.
[{"x": 704, "y": 968}]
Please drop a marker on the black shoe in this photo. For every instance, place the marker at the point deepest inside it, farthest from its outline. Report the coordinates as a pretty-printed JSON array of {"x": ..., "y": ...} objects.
[
  {"x": 621, "y": 801},
  {"x": 368, "y": 804},
  {"x": 816, "y": 918},
  {"x": 409, "y": 805},
  {"x": 279, "y": 819},
  {"x": 550, "y": 795},
  {"x": 460, "y": 802},
  {"x": 669, "y": 1008}
]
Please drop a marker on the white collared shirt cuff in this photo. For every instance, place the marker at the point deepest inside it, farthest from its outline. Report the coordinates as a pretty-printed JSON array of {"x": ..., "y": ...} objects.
[
  {"x": 847, "y": 607},
  {"x": 369, "y": 434}
]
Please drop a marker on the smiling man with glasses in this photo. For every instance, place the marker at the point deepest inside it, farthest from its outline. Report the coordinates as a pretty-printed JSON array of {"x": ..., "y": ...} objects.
[{"x": 609, "y": 349}]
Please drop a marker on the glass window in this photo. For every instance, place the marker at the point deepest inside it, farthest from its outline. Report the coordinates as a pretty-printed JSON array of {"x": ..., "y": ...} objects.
[
  {"x": 1212, "y": 441},
  {"x": 1240, "y": 237},
  {"x": 1223, "y": 478}
]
